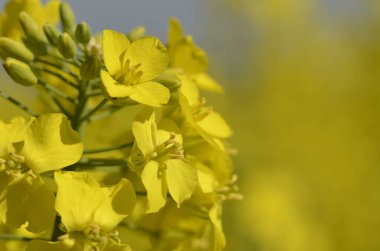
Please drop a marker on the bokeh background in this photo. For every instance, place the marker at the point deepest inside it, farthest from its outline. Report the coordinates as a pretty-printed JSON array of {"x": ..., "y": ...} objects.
[{"x": 302, "y": 80}]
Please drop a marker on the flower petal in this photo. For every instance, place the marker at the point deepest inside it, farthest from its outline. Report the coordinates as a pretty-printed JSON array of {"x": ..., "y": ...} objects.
[
  {"x": 189, "y": 89},
  {"x": 151, "y": 93},
  {"x": 175, "y": 32},
  {"x": 214, "y": 125},
  {"x": 114, "y": 44},
  {"x": 30, "y": 200},
  {"x": 155, "y": 187},
  {"x": 186, "y": 55},
  {"x": 165, "y": 127},
  {"x": 206, "y": 83},
  {"x": 51, "y": 143},
  {"x": 144, "y": 130},
  {"x": 215, "y": 217},
  {"x": 119, "y": 203},
  {"x": 181, "y": 178},
  {"x": 206, "y": 178},
  {"x": 113, "y": 89},
  {"x": 78, "y": 197},
  {"x": 150, "y": 54}
]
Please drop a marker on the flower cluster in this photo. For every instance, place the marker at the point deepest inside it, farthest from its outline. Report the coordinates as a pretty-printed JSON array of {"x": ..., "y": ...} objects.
[{"x": 120, "y": 150}]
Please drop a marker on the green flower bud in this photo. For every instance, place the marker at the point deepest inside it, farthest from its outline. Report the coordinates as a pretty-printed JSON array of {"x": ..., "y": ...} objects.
[
  {"x": 83, "y": 33},
  {"x": 90, "y": 68},
  {"x": 66, "y": 46},
  {"x": 14, "y": 49},
  {"x": 51, "y": 33},
  {"x": 31, "y": 29},
  {"x": 20, "y": 72},
  {"x": 34, "y": 38},
  {"x": 136, "y": 33},
  {"x": 67, "y": 18}
]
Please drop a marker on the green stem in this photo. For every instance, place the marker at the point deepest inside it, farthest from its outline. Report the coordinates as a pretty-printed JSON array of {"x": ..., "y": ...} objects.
[
  {"x": 61, "y": 107},
  {"x": 11, "y": 237},
  {"x": 88, "y": 115},
  {"x": 79, "y": 109},
  {"x": 18, "y": 104},
  {"x": 51, "y": 89},
  {"x": 89, "y": 163},
  {"x": 107, "y": 149},
  {"x": 64, "y": 79},
  {"x": 74, "y": 63},
  {"x": 102, "y": 162},
  {"x": 104, "y": 114},
  {"x": 59, "y": 67},
  {"x": 93, "y": 94}
]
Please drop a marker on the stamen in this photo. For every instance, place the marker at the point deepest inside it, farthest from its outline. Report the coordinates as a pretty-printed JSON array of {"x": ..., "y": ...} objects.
[
  {"x": 129, "y": 75},
  {"x": 17, "y": 158},
  {"x": 203, "y": 113},
  {"x": 31, "y": 174},
  {"x": 63, "y": 237}
]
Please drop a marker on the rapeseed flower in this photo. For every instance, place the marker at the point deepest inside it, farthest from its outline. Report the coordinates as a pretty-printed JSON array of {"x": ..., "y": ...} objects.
[
  {"x": 159, "y": 158},
  {"x": 28, "y": 149},
  {"x": 89, "y": 213},
  {"x": 132, "y": 69}
]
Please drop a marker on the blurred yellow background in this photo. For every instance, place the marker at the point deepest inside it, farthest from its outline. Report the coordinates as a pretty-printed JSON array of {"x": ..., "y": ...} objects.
[
  {"x": 302, "y": 83},
  {"x": 304, "y": 102}
]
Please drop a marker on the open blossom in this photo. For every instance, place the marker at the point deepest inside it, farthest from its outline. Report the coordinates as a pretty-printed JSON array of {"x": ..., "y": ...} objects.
[
  {"x": 185, "y": 55},
  {"x": 132, "y": 68},
  {"x": 199, "y": 118},
  {"x": 136, "y": 105},
  {"x": 89, "y": 213},
  {"x": 28, "y": 149},
  {"x": 160, "y": 160}
]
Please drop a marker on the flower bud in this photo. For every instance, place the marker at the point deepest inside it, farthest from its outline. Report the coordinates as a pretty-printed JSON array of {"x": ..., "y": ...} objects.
[
  {"x": 31, "y": 29},
  {"x": 67, "y": 18},
  {"x": 90, "y": 68},
  {"x": 20, "y": 72},
  {"x": 51, "y": 33},
  {"x": 136, "y": 33},
  {"x": 14, "y": 49},
  {"x": 83, "y": 33},
  {"x": 66, "y": 46},
  {"x": 34, "y": 38}
]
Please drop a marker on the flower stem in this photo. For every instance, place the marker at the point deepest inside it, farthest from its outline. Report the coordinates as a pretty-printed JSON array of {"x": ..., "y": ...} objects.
[
  {"x": 108, "y": 148},
  {"x": 57, "y": 66},
  {"x": 11, "y": 237},
  {"x": 61, "y": 107},
  {"x": 88, "y": 115},
  {"x": 51, "y": 89},
  {"x": 18, "y": 104},
  {"x": 64, "y": 79}
]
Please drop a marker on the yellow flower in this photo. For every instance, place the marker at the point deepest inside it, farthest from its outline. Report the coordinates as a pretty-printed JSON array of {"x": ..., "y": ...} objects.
[
  {"x": 133, "y": 67},
  {"x": 9, "y": 19},
  {"x": 89, "y": 213},
  {"x": 158, "y": 156},
  {"x": 185, "y": 54},
  {"x": 209, "y": 124},
  {"x": 215, "y": 215},
  {"x": 28, "y": 149}
]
